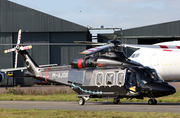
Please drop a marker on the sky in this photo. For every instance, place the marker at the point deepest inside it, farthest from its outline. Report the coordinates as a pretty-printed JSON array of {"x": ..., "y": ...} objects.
[{"x": 123, "y": 14}]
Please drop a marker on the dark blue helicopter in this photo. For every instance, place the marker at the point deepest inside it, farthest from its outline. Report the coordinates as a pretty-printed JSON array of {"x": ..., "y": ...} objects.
[{"x": 100, "y": 74}]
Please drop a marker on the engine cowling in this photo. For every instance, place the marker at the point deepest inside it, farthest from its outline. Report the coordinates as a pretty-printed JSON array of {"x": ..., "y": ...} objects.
[
  {"x": 1, "y": 77},
  {"x": 84, "y": 62},
  {"x": 103, "y": 60},
  {"x": 94, "y": 62}
]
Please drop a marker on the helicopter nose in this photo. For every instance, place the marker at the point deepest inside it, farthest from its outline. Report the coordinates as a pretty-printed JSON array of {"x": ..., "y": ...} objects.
[
  {"x": 168, "y": 89},
  {"x": 161, "y": 89}
]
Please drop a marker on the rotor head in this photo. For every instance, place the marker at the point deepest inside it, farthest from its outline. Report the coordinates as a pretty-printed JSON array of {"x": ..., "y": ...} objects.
[{"x": 115, "y": 42}]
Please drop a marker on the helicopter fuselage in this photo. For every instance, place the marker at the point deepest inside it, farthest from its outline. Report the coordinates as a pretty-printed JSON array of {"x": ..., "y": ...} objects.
[
  {"x": 107, "y": 77},
  {"x": 99, "y": 75}
]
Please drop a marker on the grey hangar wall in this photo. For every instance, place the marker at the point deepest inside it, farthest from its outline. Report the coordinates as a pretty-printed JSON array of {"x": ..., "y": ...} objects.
[{"x": 37, "y": 27}]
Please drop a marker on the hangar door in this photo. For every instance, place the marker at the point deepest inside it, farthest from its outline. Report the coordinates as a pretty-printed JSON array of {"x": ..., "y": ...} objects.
[{"x": 6, "y": 59}]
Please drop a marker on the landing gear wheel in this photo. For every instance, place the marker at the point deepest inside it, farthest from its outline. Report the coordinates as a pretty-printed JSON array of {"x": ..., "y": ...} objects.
[
  {"x": 81, "y": 101},
  {"x": 152, "y": 101},
  {"x": 155, "y": 102},
  {"x": 115, "y": 101}
]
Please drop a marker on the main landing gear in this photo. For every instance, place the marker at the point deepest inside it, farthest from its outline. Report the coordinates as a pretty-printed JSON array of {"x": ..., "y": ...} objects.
[
  {"x": 116, "y": 101},
  {"x": 152, "y": 101}
]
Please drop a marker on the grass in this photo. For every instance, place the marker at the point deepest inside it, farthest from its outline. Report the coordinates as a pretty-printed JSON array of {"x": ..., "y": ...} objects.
[
  {"x": 34, "y": 113},
  {"x": 62, "y": 95},
  {"x": 72, "y": 97}
]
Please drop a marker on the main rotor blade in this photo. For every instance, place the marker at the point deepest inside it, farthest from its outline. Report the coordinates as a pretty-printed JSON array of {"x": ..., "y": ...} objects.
[
  {"x": 97, "y": 49},
  {"x": 156, "y": 46},
  {"x": 87, "y": 42},
  {"x": 51, "y": 44},
  {"x": 151, "y": 46}
]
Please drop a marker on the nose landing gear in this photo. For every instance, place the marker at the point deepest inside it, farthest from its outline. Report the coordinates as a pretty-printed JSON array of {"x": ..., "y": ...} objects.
[
  {"x": 81, "y": 101},
  {"x": 152, "y": 101}
]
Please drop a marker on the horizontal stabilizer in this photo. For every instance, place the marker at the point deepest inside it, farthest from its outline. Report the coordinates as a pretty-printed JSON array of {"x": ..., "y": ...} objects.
[{"x": 23, "y": 68}]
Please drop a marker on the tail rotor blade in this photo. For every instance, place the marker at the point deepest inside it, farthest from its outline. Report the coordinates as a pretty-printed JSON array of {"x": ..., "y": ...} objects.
[
  {"x": 16, "y": 57},
  {"x": 19, "y": 37},
  {"x": 9, "y": 50},
  {"x": 26, "y": 47},
  {"x": 17, "y": 48}
]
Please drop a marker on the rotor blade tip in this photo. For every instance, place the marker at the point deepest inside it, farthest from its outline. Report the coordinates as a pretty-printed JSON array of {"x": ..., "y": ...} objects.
[{"x": 83, "y": 52}]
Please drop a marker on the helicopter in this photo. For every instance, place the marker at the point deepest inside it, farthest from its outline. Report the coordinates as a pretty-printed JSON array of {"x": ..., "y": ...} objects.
[{"x": 108, "y": 74}]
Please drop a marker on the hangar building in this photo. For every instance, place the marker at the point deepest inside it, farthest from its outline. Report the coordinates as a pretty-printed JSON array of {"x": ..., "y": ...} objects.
[
  {"x": 151, "y": 34},
  {"x": 37, "y": 27}
]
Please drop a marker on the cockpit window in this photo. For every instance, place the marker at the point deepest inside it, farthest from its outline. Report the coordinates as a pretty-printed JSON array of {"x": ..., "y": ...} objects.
[
  {"x": 135, "y": 55},
  {"x": 147, "y": 75},
  {"x": 153, "y": 74},
  {"x": 143, "y": 77},
  {"x": 131, "y": 78}
]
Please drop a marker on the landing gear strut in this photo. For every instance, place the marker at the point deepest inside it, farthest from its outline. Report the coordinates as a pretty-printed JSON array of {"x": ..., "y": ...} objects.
[
  {"x": 152, "y": 101},
  {"x": 116, "y": 101}
]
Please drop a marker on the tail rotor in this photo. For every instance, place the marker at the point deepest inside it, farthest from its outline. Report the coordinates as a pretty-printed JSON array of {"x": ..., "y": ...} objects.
[{"x": 17, "y": 48}]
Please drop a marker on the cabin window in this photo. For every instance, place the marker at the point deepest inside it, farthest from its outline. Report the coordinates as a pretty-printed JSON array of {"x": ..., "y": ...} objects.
[
  {"x": 120, "y": 78},
  {"x": 135, "y": 55},
  {"x": 99, "y": 79},
  {"x": 109, "y": 78}
]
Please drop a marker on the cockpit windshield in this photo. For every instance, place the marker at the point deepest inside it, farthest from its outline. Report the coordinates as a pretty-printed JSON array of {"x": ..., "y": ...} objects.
[{"x": 145, "y": 75}]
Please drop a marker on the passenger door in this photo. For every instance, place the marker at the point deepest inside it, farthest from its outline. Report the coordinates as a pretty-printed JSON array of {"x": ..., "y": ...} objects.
[{"x": 130, "y": 82}]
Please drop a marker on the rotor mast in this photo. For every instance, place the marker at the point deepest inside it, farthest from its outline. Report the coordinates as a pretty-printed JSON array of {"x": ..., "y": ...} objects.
[
  {"x": 102, "y": 28},
  {"x": 114, "y": 40}
]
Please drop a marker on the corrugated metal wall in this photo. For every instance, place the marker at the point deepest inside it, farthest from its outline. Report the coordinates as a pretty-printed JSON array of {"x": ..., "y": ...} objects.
[
  {"x": 65, "y": 54},
  {"x": 151, "y": 34},
  {"x": 15, "y": 16},
  {"x": 6, "y": 60},
  {"x": 163, "y": 29},
  {"x": 42, "y": 54},
  {"x": 38, "y": 27}
]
